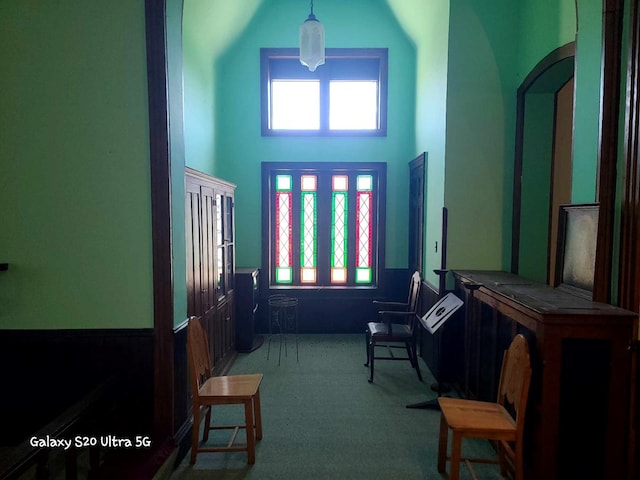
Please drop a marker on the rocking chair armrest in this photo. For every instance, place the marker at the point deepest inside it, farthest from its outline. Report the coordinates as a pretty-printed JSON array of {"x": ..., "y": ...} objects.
[
  {"x": 393, "y": 313},
  {"x": 381, "y": 303}
]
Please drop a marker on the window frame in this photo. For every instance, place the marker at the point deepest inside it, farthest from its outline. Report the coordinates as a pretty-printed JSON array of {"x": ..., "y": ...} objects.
[
  {"x": 325, "y": 73},
  {"x": 324, "y": 171}
]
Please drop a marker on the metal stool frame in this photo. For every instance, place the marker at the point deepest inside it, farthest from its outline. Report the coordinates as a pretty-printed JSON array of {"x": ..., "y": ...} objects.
[{"x": 283, "y": 317}]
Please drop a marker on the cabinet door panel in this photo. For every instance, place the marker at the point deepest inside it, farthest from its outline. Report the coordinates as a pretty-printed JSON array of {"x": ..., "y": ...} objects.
[
  {"x": 208, "y": 248},
  {"x": 194, "y": 247}
]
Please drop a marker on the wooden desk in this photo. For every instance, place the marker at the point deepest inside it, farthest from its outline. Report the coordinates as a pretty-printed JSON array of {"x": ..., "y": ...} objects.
[{"x": 578, "y": 415}]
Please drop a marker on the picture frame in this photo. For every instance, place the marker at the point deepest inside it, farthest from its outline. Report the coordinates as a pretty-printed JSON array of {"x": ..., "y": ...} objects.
[{"x": 576, "y": 248}]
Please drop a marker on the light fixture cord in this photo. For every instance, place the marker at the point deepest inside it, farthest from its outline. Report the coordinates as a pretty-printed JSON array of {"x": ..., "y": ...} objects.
[{"x": 311, "y": 7}]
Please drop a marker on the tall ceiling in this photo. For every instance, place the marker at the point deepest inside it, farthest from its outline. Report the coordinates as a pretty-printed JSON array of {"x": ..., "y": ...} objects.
[{"x": 220, "y": 22}]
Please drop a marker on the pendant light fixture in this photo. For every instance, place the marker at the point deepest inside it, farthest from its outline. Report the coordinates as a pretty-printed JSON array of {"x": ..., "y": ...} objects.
[{"x": 312, "y": 42}]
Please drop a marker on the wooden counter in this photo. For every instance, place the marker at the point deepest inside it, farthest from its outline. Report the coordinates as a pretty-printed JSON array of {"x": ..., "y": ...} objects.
[{"x": 578, "y": 415}]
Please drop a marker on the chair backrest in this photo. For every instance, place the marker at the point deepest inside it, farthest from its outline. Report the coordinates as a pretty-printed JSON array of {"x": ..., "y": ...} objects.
[
  {"x": 198, "y": 353},
  {"x": 414, "y": 292},
  {"x": 515, "y": 378}
]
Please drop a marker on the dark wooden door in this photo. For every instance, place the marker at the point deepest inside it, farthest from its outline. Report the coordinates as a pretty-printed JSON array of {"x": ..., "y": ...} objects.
[{"x": 416, "y": 213}]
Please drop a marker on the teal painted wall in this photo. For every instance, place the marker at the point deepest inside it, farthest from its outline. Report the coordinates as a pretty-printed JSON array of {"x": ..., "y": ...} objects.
[
  {"x": 240, "y": 148},
  {"x": 587, "y": 101},
  {"x": 74, "y": 175},
  {"x": 427, "y": 24},
  {"x": 464, "y": 108},
  {"x": 209, "y": 27},
  {"x": 544, "y": 25}
]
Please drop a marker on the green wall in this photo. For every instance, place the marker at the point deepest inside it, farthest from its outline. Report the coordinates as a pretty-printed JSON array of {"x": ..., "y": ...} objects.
[
  {"x": 427, "y": 24},
  {"x": 240, "y": 148},
  {"x": 587, "y": 101},
  {"x": 480, "y": 131},
  {"x": 176, "y": 133},
  {"x": 75, "y": 222},
  {"x": 488, "y": 59},
  {"x": 544, "y": 25}
]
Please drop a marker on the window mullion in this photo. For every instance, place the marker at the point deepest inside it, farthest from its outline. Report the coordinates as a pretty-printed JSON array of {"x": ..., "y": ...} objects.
[{"x": 324, "y": 103}]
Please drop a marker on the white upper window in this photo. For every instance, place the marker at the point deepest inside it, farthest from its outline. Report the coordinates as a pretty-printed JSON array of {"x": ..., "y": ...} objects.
[{"x": 345, "y": 96}]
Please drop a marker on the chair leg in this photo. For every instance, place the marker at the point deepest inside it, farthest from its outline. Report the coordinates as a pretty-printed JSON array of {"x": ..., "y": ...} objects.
[
  {"x": 257, "y": 413},
  {"x": 194, "y": 433},
  {"x": 456, "y": 454},
  {"x": 251, "y": 436},
  {"x": 371, "y": 359},
  {"x": 366, "y": 345},
  {"x": 414, "y": 356},
  {"x": 407, "y": 346},
  {"x": 207, "y": 425},
  {"x": 502, "y": 459},
  {"x": 519, "y": 462},
  {"x": 442, "y": 445}
]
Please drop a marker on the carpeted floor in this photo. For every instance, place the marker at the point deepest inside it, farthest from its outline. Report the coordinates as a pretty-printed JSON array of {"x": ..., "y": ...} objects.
[{"x": 323, "y": 420}]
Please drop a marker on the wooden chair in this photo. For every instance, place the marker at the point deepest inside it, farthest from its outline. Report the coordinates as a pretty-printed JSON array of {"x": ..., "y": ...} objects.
[
  {"x": 492, "y": 421},
  {"x": 392, "y": 335},
  {"x": 207, "y": 391}
]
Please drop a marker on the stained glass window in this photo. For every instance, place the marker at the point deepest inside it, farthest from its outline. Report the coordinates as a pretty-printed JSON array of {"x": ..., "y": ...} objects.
[
  {"x": 284, "y": 242},
  {"x": 308, "y": 236},
  {"x": 324, "y": 224}
]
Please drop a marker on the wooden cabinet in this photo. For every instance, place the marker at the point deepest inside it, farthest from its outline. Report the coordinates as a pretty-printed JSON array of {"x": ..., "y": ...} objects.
[
  {"x": 210, "y": 235},
  {"x": 579, "y": 404}
]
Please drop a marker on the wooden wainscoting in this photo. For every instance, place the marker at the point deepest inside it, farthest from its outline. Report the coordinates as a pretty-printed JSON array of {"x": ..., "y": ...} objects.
[
  {"x": 335, "y": 310},
  {"x": 66, "y": 364},
  {"x": 46, "y": 372}
]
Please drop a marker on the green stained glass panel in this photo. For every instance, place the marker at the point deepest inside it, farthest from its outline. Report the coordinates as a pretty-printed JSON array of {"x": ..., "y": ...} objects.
[
  {"x": 308, "y": 240},
  {"x": 363, "y": 275}
]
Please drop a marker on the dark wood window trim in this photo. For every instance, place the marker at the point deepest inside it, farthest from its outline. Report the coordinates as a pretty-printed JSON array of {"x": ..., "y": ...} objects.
[{"x": 374, "y": 61}]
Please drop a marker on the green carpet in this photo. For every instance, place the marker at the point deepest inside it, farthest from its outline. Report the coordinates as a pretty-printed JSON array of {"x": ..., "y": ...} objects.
[{"x": 323, "y": 420}]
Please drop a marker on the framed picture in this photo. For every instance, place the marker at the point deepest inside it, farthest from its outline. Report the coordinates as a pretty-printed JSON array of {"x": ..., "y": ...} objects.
[{"x": 576, "y": 253}]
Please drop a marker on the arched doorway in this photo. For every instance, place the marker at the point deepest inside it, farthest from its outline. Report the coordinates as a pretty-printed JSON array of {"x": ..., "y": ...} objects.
[{"x": 542, "y": 171}]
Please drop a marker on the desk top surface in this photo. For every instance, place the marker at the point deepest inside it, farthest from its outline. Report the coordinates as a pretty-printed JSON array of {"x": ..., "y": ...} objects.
[{"x": 536, "y": 296}]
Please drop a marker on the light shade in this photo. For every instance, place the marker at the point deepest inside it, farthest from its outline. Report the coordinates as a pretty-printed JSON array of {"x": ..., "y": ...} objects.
[{"x": 312, "y": 43}]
